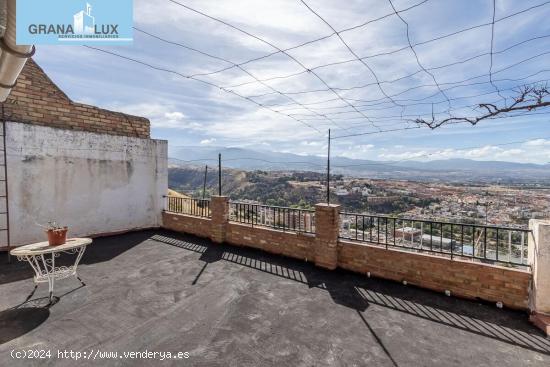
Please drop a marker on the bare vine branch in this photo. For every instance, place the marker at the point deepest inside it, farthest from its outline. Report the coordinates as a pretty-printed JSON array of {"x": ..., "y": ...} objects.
[{"x": 528, "y": 98}]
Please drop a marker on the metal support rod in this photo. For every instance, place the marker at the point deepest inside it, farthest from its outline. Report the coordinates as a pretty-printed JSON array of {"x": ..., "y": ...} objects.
[
  {"x": 6, "y": 182},
  {"x": 328, "y": 169},
  {"x": 204, "y": 183},
  {"x": 219, "y": 174}
]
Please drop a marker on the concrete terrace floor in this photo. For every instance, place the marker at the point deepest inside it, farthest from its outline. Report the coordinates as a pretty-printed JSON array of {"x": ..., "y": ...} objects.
[{"x": 230, "y": 306}]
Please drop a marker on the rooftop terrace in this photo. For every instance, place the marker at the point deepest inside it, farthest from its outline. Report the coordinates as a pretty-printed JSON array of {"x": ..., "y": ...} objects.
[{"x": 234, "y": 306}]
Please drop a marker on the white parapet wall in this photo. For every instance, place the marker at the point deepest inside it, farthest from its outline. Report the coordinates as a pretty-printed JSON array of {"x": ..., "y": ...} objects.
[
  {"x": 539, "y": 260},
  {"x": 93, "y": 183}
]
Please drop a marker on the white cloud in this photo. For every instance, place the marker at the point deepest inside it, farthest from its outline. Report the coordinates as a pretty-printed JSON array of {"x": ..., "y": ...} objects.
[
  {"x": 207, "y": 141},
  {"x": 357, "y": 151},
  {"x": 205, "y": 113},
  {"x": 310, "y": 143},
  {"x": 538, "y": 142},
  {"x": 260, "y": 125},
  {"x": 489, "y": 152},
  {"x": 161, "y": 115},
  {"x": 403, "y": 155},
  {"x": 174, "y": 116}
]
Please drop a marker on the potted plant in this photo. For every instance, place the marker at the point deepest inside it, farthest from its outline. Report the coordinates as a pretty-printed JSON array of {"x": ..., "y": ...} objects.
[{"x": 57, "y": 235}]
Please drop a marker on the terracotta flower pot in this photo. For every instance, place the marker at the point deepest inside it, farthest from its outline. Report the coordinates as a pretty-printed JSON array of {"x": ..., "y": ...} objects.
[{"x": 57, "y": 237}]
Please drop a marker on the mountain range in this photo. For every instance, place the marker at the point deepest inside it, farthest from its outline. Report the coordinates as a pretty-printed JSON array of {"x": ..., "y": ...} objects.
[{"x": 453, "y": 170}]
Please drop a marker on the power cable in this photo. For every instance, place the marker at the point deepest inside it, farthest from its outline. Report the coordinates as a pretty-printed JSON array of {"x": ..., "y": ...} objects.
[
  {"x": 315, "y": 40},
  {"x": 275, "y": 91},
  {"x": 199, "y": 80},
  {"x": 387, "y": 53},
  {"x": 369, "y": 68},
  {"x": 492, "y": 54},
  {"x": 271, "y": 45}
]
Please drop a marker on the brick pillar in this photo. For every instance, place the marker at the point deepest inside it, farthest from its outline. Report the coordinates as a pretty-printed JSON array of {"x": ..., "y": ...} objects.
[
  {"x": 539, "y": 259},
  {"x": 327, "y": 226},
  {"x": 219, "y": 205}
]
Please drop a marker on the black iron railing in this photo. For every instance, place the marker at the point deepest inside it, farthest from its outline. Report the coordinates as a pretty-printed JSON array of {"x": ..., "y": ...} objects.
[
  {"x": 504, "y": 245},
  {"x": 189, "y": 206},
  {"x": 286, "y": 219}
]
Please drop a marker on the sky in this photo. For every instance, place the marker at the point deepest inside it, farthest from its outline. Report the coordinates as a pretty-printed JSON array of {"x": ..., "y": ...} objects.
[{"x": 447, "y": 72}]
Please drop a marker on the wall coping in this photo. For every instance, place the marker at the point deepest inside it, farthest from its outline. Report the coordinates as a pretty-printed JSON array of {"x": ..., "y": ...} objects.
[
  {"x": 430, "y": 256},
  {"x": 325, "y": 205},
  {"x": 276, "y": 230},
  {"x": 185, "y": 215},
  {"x": 543, "y": 221},
  {"x": 244, "y": 225},
  {"x": 59, "y": 128}
]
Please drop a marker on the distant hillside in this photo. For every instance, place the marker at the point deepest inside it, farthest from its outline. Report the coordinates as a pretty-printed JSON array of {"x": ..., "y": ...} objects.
[
  {"x": 472, "y": 165},
  {"x": 262, "y": 186},
  {"x": 295, "y": 189},
  {"x": 191, "y": 179},
  {"x": 451, "y": 170}
]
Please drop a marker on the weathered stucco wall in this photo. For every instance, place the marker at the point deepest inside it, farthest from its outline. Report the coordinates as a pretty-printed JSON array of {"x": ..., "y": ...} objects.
[{"x": 94, "y": 183}]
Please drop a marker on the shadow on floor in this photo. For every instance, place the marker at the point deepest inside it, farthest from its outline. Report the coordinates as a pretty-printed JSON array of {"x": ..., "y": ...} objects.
[
  {"x": 356, "y": 291},
  {"x": 27, "y": 316},
  {"x": 16, "y": 322},
  {"x": 102, "y": 249}
]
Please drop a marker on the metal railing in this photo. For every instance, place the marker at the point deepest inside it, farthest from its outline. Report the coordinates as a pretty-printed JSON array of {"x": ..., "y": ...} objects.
[
  {"x": 286, "y": 219},
  {"x": 189, "y": 206},
  {"x": 494, "y": 244}
]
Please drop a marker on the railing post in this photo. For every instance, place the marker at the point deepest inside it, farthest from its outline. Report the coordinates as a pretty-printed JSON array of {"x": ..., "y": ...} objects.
[
  {"x": 539, "y": 260},
  {"x": 219, "y": 206},
  {"x": 327, "y": 228}
]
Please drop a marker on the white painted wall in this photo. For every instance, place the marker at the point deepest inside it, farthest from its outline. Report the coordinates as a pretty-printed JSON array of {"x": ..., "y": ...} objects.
[{"x": 93, "y": 183}]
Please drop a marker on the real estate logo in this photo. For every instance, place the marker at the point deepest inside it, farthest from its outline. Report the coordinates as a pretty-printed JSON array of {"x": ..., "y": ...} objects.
[
  {"x": 84, "y": 22},
  {"x": 74, "y": 22}
]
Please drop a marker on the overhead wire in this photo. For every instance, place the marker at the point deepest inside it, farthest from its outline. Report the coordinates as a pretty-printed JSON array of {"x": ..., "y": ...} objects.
[
  {"x": 294, "y": 59},
  {"x": 416, "y": 55},
  {"x": 432, "y": 103},
  {"x": 387, "y": 53},
  {"x": 463, "y": 61},
  {"x": 348, "y": 101},
  {"x": 369, "y": 68},
  {"x": 275, "y": 91},
  {"x": 158, "y": 68},
  {"x": 316, "y": 40},
  {"x": 492, "y": 53}
]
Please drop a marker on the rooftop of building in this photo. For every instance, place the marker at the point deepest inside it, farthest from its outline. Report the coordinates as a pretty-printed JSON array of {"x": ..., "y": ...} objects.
[{"x": 225, "y": 305}]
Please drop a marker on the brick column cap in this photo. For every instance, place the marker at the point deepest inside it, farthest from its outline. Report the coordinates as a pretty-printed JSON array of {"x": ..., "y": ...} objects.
[
  {"x": 532, "y": 222},
  {"x": 327, "y": 206}
]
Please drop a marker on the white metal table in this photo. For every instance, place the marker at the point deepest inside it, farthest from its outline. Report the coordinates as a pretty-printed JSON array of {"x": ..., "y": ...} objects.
[{"x": 41, "y": 256}]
